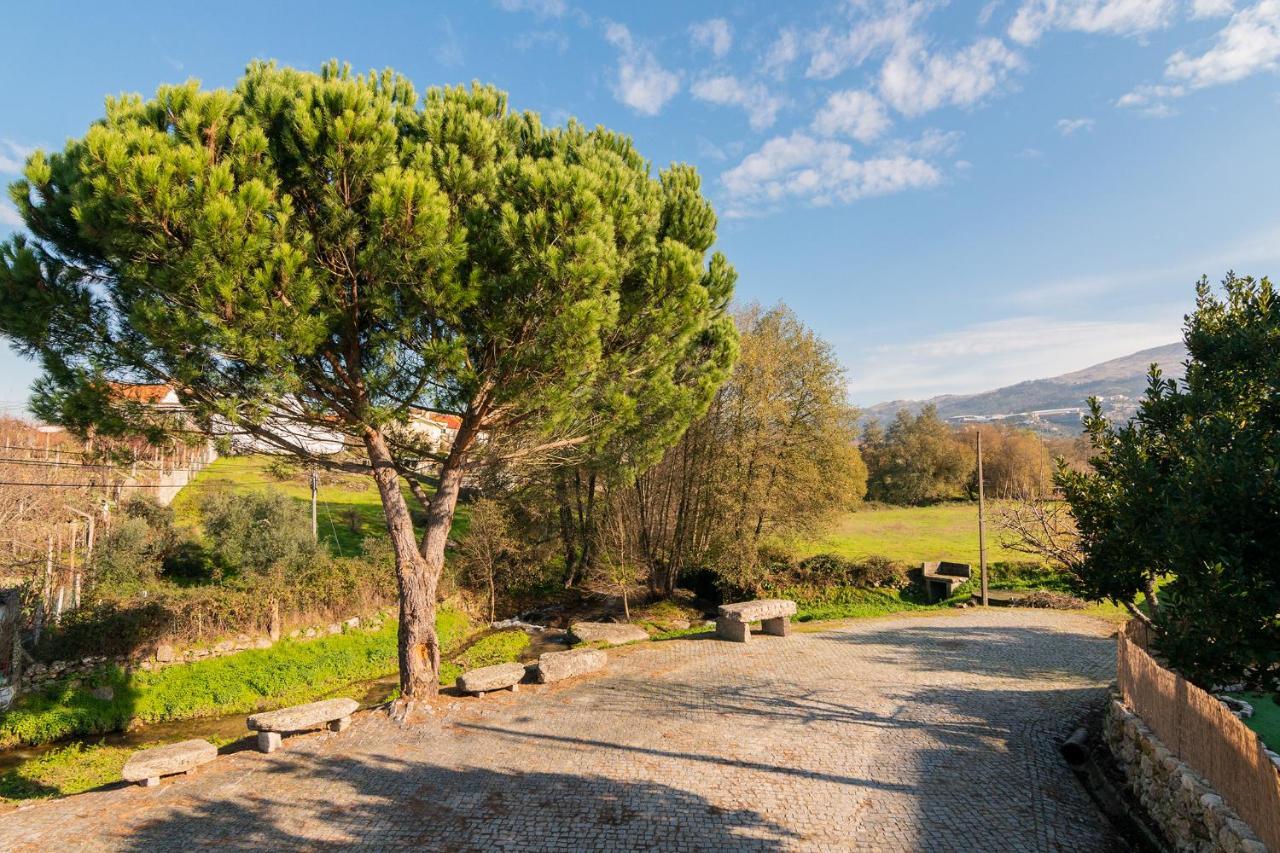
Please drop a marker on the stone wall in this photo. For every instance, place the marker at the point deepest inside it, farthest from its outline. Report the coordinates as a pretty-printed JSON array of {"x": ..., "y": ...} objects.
[
  {"x": 1192, "y": 816},
  {"x": 166, "y": 654}
]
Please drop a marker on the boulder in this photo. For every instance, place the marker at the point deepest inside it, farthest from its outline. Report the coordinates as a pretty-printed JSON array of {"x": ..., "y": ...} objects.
[
  {"x": 557, "y": 666},
  {"x": 758, "y": 611},
  {"x": 610, "y": 633},
  {"x": 148, "y": 765},
  {"x": 104, "y": 693},
  {"x": 488, "y": 678},
  {"x": 299, "y": 717}
]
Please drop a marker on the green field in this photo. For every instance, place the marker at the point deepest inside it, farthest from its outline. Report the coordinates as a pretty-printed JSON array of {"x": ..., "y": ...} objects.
[
  {"x": 347, "y": 505},
  {"x": 917, "y": 534}
]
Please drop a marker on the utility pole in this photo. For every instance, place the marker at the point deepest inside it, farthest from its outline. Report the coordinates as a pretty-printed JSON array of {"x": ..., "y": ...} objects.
[
  {"x": 982, "y": 532},
  {"x": 315, "y": 486}
]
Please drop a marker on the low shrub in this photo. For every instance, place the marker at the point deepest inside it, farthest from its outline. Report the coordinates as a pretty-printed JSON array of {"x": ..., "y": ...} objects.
[
  {"x": 1052, "y": 600},
  {"x": 872, "y": 572},
  {"x": 255, "y": 531}
]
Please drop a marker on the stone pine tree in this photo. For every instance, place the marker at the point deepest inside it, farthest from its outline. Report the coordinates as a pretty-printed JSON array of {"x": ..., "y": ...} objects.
[{"x": 327, "y": 251}]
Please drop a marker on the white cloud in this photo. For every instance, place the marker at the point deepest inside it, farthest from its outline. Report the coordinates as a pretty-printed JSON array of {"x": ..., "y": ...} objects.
[
  {"x": 1249, "y": 43},
  {"x": 761, "y": 106},
  {"x": 914, "y": 81},
  {"x": 784, "y": 51},
  {"x": 642, "y": 84},
  {"x": 819, "y": 171},
  {"x": 931, "y": 143},
  {"x": 1151, "y": 100},
  {"x": 1068, "y": 126},
  {"x": 447, "y": 49},
  {"x": 542, "y": 8},
  {"x": 1115, "y": 17},
  {"x": 834, "y": 51},
  {"x": 13, "y": 157},
  {"x": 985, "y": 13},
  {"x": 1001, "y": 352},
  {"x": 714, "y": 34},
  {"x": 1211, "y": 8},
  {"x": 856, "y": 113},
  {"x": 540, "y": 40},
  {"x": 9, "y": 215}
]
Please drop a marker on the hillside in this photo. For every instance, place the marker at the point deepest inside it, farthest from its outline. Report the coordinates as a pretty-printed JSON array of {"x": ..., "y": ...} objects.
[{"x": 1119, "y": 382}]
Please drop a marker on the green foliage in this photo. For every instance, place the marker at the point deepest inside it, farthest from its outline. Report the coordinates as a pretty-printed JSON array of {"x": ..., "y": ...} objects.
[
  {"x": 912, "y": 534},
  {"x": 501, "y": 647},
  {"x": 256, "y": 531},
  {"x": 918, "y": 459},
  {"x": 130, "y": 556},
  {"x": 1188, "y": 490},
  {"x": 285, "y": 674},
  {"x": 871, "y": 572},
  {"x": 1266, "y": 717},
  {"x": 67, "y": 770},
  {"x": 848, "y": 602}
]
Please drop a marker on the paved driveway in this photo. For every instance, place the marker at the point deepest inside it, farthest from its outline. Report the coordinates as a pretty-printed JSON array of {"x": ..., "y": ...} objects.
[{"x": 934, "y": 733}]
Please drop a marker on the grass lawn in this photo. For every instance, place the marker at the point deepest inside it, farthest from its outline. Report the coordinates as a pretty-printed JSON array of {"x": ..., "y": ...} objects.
[
  {"x": 1266, "y": 718},
  {"x": 347, "y": 505},
  {"x": 946, "y": 531}
]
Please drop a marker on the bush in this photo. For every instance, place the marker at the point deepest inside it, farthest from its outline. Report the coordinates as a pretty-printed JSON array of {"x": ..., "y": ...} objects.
[
  {"x": 873, "y": 572},
  {"x": 1052, "y": 600},
  {"x": 129, "y": 556},
  {"x": 253, "y": 531}
]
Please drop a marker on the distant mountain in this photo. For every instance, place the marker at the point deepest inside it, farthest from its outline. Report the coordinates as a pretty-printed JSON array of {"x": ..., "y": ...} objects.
[{"x": 1119, "y": 383}]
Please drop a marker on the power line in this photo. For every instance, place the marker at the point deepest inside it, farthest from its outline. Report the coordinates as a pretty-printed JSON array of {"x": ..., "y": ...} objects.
[{"x": 143, "y": 485}]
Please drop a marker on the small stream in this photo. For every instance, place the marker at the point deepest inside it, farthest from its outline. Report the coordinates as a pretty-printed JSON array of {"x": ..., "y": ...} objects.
[{"x": 233, "y": 726}]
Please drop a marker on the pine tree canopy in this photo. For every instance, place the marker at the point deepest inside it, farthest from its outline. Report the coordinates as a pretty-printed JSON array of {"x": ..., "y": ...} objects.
[{"x": 330, "y": 250}]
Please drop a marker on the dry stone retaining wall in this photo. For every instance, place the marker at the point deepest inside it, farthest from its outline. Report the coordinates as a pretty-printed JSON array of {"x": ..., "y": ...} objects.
[{"x": 1192, "y": 816}]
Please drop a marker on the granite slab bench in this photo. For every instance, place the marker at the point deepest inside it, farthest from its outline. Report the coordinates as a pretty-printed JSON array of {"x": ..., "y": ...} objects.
[
  {"x": 271, "y": 725},
  {"x": 557, "y": 666},
  {"x": 501, "y": 676},
  {"x": 774, "y": 615},
  {"x": 609, "y": 633},
  {"x": 147, "y": 766}
]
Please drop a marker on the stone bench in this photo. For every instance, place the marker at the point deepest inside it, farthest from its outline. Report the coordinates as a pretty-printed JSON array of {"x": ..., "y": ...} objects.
[
  {"x": 773, "y": 614},
  {"x": 271, "y": 725},
  {"x": 942, "y": 578},
  {"x": 148, "y": 765},
  {"x": 609, "y": 633},
  {"x": 499, "y": 677},
  {"x": 557, "y": 666}
]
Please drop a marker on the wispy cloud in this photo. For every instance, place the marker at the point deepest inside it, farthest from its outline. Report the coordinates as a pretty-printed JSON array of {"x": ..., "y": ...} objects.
[
  {"x": 760, "y": 105},
  {"x": 855, "y": 113},
  {"x": 715, "y": 35},
  {"x": 818, "y": 171},
  {"x": 642, "y": 83},
  {"x": 9, "y": 215},
  {"x": 447, "y": 49},
  {"x": 984, "y": 356},
  {"x": 915, "y": 80},
  {"x": 542, "y": 8},
  {"x": 1115, "y": 17},
  {"x": 784, "y": 51},
  {"x": 542, "y": 40},
  {"x": 1069, "y": 126},
  {"x": 13, "y": 156}
]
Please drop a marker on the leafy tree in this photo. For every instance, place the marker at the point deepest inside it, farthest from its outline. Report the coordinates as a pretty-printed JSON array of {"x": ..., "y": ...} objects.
[
  {"x": 325, "y": 252},
  {"x": 919, "y": 460},
  {"x": 1188, "y": 491},
  {"x": 257, "y": 530},
  {"x": 775, "y": 455}
]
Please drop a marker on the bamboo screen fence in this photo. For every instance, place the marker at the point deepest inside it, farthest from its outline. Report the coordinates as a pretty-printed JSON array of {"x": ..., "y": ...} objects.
[{"x": 1200, "y": 730}]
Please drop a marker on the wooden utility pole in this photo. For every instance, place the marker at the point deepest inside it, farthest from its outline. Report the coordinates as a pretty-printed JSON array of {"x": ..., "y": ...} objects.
[
  {"x": 315, "y": 487},
  {"x": 982, "y": 532}
]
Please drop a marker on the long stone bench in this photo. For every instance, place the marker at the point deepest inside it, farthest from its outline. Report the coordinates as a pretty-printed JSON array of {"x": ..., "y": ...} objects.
[
  {"x": 271, "y": 725},
  {"x": 609, "y": 633},
  {"x": 773, "y": 614},
  {"x": 498, "y": 677},
  {"x": 557, "y": 666},
  {"x": 147, "y": 766}
]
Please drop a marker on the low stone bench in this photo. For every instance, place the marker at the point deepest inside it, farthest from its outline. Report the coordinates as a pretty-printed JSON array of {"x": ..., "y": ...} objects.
[
  {"x": 498, "y": 677},
  {"x": 773, "y": 614},
  {"x": 609, "y": 633},
  {"x": 147, "y": 766},
  {"x": 271, "y": 725},
  {"x": 557, "y": 666}
]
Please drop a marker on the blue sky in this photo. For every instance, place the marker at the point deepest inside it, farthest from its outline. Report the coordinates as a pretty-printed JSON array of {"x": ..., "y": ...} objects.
[{"x": 956, "y": 195}]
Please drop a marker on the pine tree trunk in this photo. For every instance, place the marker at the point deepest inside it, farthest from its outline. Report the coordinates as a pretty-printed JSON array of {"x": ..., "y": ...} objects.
[{"x": 419, "y": 648}]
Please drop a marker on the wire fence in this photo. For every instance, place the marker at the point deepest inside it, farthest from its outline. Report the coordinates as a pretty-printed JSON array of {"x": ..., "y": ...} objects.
[{"x": 1200, "y": 730}]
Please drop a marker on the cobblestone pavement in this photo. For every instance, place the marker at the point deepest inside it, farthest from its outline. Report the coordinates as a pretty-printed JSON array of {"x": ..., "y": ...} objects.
[{"x": 934, "y": 733}]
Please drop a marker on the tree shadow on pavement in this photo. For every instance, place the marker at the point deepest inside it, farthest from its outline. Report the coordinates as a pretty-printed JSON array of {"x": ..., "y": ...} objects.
[{"x": 379, "y": 802}]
